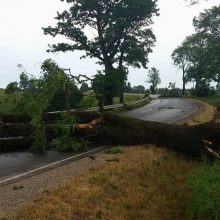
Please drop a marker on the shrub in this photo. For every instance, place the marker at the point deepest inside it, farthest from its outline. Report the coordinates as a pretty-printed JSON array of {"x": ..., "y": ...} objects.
[{"x": 204, "y": 198}]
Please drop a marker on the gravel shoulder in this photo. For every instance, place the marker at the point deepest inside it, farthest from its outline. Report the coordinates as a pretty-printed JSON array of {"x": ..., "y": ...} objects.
[{"x": 16, "y": 196}]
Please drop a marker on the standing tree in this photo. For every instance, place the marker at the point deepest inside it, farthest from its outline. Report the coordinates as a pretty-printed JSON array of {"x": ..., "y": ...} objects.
[
  {"x": 139, "y": 89},
  {"x": 120, "y": 28},
  {"x": 128, "y": 87},
  {"x": 181, "y": 59},
  {"x": 199, "y": 55},
  {"x": 153, "y": 79},
  {"x": 208, "y": 25}
]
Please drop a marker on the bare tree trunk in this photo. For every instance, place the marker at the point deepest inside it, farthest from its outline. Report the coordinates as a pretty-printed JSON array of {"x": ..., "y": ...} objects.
[
  {"x": 184, "y": 82},
  {"x": 184, "y": 88},
  {"x": 109, "y": 86},
  {"x": 122, "y": 98}
]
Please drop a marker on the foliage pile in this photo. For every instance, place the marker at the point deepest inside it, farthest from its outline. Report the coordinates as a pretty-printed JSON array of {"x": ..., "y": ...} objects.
[
  {"x": 55, "y": 90},
  {"x": 64, "y": 130}
]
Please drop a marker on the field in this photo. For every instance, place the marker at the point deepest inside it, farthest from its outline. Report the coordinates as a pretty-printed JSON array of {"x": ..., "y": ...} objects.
[{"x": 143, "y": 182}]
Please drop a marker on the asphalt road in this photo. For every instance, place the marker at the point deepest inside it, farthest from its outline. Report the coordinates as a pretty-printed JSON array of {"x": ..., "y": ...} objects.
[
  {"x": 15, "y": 163},
  {"x": 165, "y": 110},
  {"x": 160, "y": 110}
]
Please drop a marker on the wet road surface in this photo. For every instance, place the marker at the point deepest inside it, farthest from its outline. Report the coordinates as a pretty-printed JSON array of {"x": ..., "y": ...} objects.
[
  {"x": 165, "y": 110},
  {"x": 15, "y": 163}
]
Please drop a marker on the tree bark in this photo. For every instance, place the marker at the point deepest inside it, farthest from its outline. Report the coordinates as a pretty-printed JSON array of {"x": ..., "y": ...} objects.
[
  {"x": 122, "y": 130},
  {"x": 121, "y": 98},
  {"x": 184, "y": 82},
  {"x": 109, "y": 86},
  {"x": 184, "y": 88}
]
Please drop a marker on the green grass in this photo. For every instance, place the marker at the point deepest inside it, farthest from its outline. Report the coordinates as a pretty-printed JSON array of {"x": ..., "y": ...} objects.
[
  {"x": 212, "y": 100},
  {"x": 5, "y": 102},
  {"x": 204, "y": 198}
]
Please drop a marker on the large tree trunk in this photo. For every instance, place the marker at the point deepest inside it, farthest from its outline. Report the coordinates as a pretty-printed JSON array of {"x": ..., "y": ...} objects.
[
  {"x": 184, "y": 82},
  {"x": 115, "y": 130},
  {"x": 109, "y": 84},
  {"x": 122, "y": 130},
  {"x": 109, "y": 99},
  {"x": 184, "y": 87},
  {"x": 121, "y": 98}
]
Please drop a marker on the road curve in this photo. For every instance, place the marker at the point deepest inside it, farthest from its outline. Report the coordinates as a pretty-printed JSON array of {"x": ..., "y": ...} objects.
[{"x": 166, "y": 110}]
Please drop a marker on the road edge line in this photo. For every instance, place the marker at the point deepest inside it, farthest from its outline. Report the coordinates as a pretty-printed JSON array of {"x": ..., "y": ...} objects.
[{"x": 50, "y": 166}]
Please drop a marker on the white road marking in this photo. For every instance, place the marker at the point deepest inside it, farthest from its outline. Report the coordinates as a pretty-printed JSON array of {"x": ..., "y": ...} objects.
[{"x": 185, "y": 116}]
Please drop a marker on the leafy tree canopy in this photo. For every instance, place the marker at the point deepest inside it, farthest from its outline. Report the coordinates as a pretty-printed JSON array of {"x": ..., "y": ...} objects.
[
  {"x": 120, "y": 29},
  {"x": 198, "y": 56},
  {"x": 209, "y": 22},
  {"x": 12, "y": 88},
  {"x": 139, "y": 89}
]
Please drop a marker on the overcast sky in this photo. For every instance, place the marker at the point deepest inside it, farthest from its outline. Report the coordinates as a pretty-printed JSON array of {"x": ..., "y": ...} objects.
[{"x": 22, "y": 40}]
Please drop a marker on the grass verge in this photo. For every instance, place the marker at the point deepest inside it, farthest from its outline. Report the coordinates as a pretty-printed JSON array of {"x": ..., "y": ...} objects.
[
  {"x": 143, "y": 183},
  {"x": 204, "y": 185},
  {"x": 211, "y": 100}
]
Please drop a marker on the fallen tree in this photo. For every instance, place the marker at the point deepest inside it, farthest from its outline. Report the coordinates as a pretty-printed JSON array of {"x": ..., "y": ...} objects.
[
  {"x": 15, "y": 144},
  {"x": 16, "y": 130},
  {"x": 123, "y": 130},
  {"x": 112, "y": 129}
]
